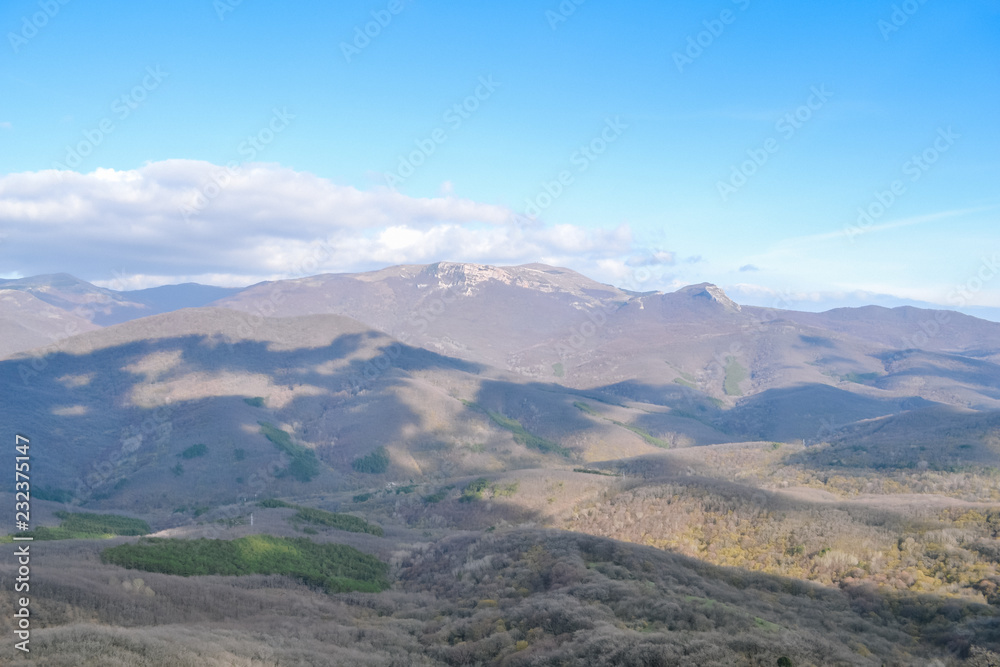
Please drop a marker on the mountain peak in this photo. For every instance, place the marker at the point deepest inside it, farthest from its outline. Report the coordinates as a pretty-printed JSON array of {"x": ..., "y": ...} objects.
[{"x": 712, "y": 293}]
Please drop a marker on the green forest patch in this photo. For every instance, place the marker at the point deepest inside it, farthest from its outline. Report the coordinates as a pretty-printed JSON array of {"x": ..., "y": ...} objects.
[
  {"x": 87, "y": 526},
  {"x": 337, "y": 568},
  {"x": 318, "y": 517},
  {"x": 304, "y": 465},
  {"x": 374, "y": 463}
]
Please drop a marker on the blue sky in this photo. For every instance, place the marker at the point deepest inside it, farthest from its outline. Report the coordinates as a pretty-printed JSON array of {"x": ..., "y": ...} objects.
[{"x": 722, "y": 136}]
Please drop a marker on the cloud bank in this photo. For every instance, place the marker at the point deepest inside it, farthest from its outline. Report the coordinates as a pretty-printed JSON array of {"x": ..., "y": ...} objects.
[{"x": 186, "y": 220}]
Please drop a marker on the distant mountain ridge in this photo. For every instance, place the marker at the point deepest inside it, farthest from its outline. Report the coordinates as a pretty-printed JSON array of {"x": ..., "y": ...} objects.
[
  {"x": 456, "y": 369},
  {"x": 61, "y": 296},
  {"x": 28, "y": 322},
  {"x": 554, "y": 324},
  {"x": 548, "y": 323}
]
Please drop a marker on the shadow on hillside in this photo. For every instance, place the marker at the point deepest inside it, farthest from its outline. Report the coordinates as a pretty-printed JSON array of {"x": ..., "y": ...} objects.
[
  {"x": 810, "y": 412},
  {"x": 663, "y": 394},
  {"x": 982, "y": 376},
  {"x": 941, "y": 437},
  {"x": 658, "y": 470},
  {"x": 90, "y": 436},
  {"x": 564, "y": 415}
]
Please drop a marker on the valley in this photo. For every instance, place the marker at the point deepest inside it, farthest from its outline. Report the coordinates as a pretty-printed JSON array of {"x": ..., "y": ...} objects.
[{"x": 550, "y": 471}]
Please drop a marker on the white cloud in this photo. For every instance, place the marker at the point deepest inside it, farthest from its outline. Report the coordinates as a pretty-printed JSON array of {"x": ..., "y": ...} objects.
[
  {"x": 267, "y": 222},
  {"x": 652, "y": 258}
]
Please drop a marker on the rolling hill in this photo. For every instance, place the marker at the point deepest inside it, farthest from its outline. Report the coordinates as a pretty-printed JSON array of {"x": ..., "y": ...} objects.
[{"x": 544, "y": 469}]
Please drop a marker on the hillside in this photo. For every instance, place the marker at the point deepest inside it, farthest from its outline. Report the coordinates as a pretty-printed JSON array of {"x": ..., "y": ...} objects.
[
  {"x": 140, "y": 393},
  {"x": 686, "y": 478},
  {"x": 27, "y": 322},
  {"x": 554, "y": 325}
]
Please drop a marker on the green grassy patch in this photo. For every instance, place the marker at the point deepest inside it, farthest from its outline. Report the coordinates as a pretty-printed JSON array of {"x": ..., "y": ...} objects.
[
  {"x": 521, "y": 436},
  {"x": 255, "y": 402},
  {"x": 708, "y": 602},
  {"x": 644, "y": 434},
  {"x": 766, "y": 625},
  {"x": 558, "y": 370},
  {"x": 735, "y": 373},
  {"x": 304, "y": 465},
  {"x": 686, "y": 379},
  {"x": 860, "y": 378},
  {"x": 336, "y": 567}
]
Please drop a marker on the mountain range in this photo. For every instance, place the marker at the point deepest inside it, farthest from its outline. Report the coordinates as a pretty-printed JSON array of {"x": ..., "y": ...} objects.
[
  {"x": 843, "y": 464},
  {"x": 395, "y": 358}
]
